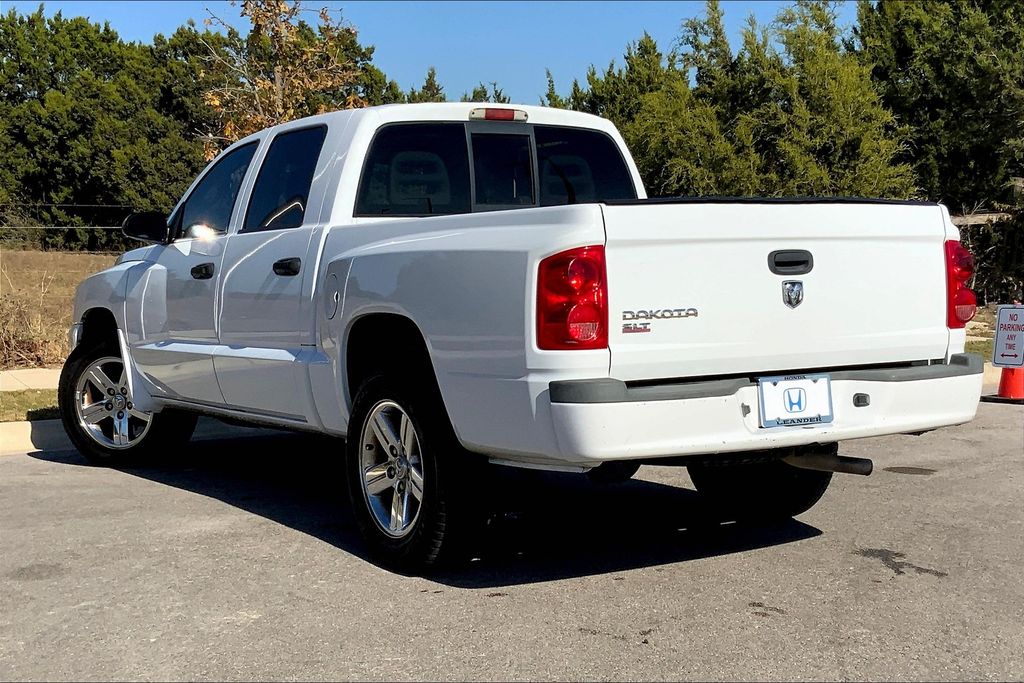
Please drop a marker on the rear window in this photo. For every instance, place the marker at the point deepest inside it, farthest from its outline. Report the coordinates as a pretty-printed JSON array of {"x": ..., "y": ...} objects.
[
  {"x": 416, "y": 169},
  {"x": 503, "y": 170},
  {"x": 282, "y": 188},
  {"x": 578, "y": 166}
]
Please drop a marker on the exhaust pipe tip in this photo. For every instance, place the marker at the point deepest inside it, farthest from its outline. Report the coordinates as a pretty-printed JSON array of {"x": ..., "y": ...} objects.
[{"x": 830, "y": 462}]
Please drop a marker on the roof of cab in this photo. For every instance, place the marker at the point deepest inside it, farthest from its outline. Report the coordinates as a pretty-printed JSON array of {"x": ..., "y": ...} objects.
[
  {"x": 459, "y": 111},
  {"x": 442, "y": 111}
]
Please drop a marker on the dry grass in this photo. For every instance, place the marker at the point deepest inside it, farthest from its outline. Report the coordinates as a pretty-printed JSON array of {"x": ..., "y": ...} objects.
[
  {"x": 37, "y": 290},
  {"x": 982, "y": 347},
  {"x": 986, "y": 315}
]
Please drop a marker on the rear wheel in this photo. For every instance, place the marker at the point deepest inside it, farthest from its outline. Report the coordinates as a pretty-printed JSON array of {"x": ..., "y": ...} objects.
[
  {"x": 770, "y": 490},
  {"x": 100, "y": 416},
  {"x": 406, "y": 474}
]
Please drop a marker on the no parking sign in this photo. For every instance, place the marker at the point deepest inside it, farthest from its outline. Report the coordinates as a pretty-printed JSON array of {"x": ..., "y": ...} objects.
[{"x": 1008, "y": 351}]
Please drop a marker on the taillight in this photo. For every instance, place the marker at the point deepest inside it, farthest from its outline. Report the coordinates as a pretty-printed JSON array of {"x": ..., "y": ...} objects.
[
  {"x": 961, "y": 302},
  {"x": 572, "y": 294}
]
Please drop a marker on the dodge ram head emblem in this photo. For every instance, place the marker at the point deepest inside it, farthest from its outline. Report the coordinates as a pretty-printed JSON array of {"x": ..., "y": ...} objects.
[{"x": 792, "y": 292}]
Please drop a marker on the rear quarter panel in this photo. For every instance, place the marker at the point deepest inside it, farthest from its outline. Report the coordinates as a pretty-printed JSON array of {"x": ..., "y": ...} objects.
[{"x": 467, "y": 282}]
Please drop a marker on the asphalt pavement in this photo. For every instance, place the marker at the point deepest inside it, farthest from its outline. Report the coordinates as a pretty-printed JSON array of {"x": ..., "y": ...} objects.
[{"x": 237, "y": 559}]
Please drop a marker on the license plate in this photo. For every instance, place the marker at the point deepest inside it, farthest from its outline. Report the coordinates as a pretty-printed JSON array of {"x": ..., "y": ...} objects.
[{"x": 795, "y": 400}]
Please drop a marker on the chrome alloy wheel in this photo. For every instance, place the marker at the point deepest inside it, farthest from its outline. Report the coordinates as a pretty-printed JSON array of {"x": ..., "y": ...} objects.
[
  {"x": 392, "y": 468},
  {"x": 104, "y": 407}
]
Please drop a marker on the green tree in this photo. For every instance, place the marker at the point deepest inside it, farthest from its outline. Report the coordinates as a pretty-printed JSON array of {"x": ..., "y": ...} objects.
[
  {"x": 482, "y": 94},
  {"x": 952, "y": 72},
  {"x": 431, "y": 91},
  {"x": 375, "y": 88},
  {"x": 838, "y": 137},
  {"x": 188, "y": 76},
  {"x": 790, "y": 113},
  {"x": 709, "y": 55},
  {"x": 90, "y": 127},
  {"x": 617, "y": 93},
  {"x": 680, "y": 146},
  {"x": 551, "y": 97}
]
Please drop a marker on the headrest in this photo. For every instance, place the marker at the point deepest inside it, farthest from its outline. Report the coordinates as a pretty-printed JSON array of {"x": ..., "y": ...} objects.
[
  {"x": 576, "y": 171},
  {"x": 416, "y": 176}
]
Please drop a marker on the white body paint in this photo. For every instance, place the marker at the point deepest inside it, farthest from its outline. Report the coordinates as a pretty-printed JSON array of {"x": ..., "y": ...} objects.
[{"x": 251, "y": 345}]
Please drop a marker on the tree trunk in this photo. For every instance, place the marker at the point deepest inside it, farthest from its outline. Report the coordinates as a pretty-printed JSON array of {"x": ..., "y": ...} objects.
[{"x": 278, "y": 94}]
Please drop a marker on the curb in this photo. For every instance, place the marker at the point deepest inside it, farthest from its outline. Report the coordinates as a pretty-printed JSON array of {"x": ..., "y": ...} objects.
[
  {"x": 48, "y": 435},
  {"x": 992, "y": 373}
]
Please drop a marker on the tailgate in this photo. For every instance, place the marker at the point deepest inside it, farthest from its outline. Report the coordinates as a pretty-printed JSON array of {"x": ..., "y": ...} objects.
[{"x": 691, "y": 292}]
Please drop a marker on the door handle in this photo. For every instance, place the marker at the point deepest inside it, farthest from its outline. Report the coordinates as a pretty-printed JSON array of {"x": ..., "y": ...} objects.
[
  {"x": 204, "y": 271},
  {"x": 790, "y": 262},
  {"x": 288, "y": 266}
]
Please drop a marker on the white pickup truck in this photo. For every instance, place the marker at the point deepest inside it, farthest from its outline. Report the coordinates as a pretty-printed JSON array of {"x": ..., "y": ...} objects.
[{"x": 447, "y": 285}]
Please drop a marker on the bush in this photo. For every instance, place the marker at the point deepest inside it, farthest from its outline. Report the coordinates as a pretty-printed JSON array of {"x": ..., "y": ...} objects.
[{"x": 999, "y": 253}]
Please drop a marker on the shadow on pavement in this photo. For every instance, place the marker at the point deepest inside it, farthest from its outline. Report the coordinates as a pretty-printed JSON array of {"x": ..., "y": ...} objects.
[{"x": 540, "y": 526}]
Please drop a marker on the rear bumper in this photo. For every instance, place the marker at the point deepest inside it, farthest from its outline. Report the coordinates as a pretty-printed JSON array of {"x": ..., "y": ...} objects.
[{"x": 604, "y": 419}]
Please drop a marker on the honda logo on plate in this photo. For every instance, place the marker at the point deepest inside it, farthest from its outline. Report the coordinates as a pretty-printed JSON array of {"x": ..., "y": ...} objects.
[{"x": 795, "y": 400}]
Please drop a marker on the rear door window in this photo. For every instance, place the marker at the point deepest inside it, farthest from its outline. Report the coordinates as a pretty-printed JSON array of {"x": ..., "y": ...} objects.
[
  {"x": 502, "y": 171},
  {"x": 578, "y": 166},
  {"x": 281, "y": 192},
  {"x": 416, "y": 169}
]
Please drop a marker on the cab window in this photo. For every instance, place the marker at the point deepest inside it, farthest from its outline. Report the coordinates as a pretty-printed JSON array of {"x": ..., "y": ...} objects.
[
  {"x": 281, "y": 192},
  {"x": 502, "y": 170},
  {"x": 578, "y": 166},
  {"x": 416, "y": 169},
  {"x": 211, "y": 202}
]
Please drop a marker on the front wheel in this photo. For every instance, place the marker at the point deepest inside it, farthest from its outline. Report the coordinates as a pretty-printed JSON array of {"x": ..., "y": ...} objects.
[
  {"x": 406, "y": 474},
  {"x": 100, "y": 416}
]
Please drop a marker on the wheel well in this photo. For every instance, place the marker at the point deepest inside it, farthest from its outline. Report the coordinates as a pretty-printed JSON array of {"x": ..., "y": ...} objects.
[
  {"x": 98, "y": 326},
  {"x": 384, "y": 341}
]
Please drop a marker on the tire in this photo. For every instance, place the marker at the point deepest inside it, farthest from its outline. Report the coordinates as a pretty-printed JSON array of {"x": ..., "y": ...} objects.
[
  {"x": 613, "y": 472},
  {"x": 97, "y": 412},
  {"x": 759, "y": 491},
  {"x": 401, "y": 447}
]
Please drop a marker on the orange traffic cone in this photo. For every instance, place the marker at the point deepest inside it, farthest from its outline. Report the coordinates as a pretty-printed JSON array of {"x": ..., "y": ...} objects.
[{"x": 1011, "y": 387}]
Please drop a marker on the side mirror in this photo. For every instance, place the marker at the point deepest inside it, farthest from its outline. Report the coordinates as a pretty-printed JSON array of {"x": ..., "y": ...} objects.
[{"x": 148, "y": 226}]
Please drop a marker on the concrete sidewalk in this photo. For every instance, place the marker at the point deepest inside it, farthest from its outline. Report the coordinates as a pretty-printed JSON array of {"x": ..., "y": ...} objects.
[{"x": 29, "y": 378}]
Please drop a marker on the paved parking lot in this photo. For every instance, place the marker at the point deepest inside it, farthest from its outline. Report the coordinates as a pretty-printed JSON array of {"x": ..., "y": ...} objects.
[{"x": 239, "y": 560}]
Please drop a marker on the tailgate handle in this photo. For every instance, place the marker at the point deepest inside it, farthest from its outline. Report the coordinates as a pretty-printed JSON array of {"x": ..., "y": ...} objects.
[{"x": 790, "y": 262}]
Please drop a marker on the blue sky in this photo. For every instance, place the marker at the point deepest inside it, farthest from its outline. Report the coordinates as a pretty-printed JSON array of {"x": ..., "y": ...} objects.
[{"x": 468, "y": 42}]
